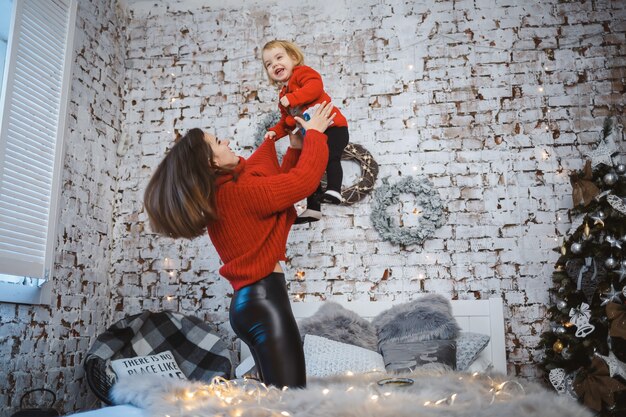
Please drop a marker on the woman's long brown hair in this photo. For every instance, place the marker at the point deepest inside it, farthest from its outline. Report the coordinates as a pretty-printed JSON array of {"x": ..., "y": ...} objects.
[{"x": 180, "y": 197}]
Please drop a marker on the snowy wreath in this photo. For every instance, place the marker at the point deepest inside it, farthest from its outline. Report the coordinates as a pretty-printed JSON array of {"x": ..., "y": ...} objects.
[
  {"x": 352, "y": 152},
  {"x": 433, "y": 215},
  {"x": 268, "y": 120}
]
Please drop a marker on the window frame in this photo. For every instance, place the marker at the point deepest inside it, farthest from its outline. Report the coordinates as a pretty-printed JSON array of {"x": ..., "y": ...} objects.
[{"x": 41, "y": 294}]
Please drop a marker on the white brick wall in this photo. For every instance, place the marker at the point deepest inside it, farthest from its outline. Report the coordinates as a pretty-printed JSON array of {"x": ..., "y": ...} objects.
[
  {"x": 477, "y": 66},
  {"x": 476, "y": 71},
  {"x": 44, "y": 346}
]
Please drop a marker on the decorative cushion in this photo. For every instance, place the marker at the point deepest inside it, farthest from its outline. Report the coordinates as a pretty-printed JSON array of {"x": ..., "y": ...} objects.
[
  {"x": 481, "y": 365},
  {"x": 198, "y": 349},
  {"x": 334, "y": 322},
  {"x": 325, "y": 357},
  {"x": 406, "y": 356},
  {"x": 468, "y": 347},
  {"x": 162, "y": 364},
  {"x": 246, "y": 368},
  {"x": 426, "y": 318}
]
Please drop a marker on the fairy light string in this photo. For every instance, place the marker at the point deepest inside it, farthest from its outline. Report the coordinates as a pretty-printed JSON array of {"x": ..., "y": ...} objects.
[{"x": 236, "y": 397}]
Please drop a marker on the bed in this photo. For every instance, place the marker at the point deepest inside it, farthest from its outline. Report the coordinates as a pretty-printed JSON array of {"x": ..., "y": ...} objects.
[
  {"x": 429, "y": 391},
  {"x": 479, "y": 316}
]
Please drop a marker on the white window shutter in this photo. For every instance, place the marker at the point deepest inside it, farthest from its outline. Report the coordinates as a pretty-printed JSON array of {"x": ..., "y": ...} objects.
[{"x": 32, "y": 126}]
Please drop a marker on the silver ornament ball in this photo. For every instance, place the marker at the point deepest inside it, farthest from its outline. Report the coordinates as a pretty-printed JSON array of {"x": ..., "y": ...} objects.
[
  {"x": 620, "y": 169},
  {"x": 566, "y": 353},
  {"x": 560, "y": 330},
  {"x": 561, "y": 305},
  {"x": 610, "y": 263},
  {"x": 600, "y": 215},
  {"x": 609, "y": 178},
  {"x": 576, "y": 248}
]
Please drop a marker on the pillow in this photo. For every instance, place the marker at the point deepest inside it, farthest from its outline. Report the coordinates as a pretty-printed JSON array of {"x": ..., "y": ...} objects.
[
  {"x": 196, "y": 346},
  {"x": 468, "y": 347},
  {"x": 162, "y": 364},
  {"x": 334, "y": 322},
  {"x": 426, "y": 318},
  {"x": 325, "y": 357},
  {"x": 246, "y": 368},
  {"x": 406, "y": 356},
  {"x": 481, "y": 365}
]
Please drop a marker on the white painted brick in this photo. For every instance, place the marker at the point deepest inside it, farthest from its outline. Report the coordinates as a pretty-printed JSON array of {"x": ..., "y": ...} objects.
[{"x": 441, "y": 117}]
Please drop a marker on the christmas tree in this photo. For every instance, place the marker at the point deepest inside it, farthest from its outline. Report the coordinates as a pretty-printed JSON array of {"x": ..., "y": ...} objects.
[{"x": 585, "y": 349}]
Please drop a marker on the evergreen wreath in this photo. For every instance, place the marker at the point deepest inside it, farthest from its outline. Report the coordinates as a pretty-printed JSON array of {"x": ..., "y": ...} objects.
[{"x": 433, "y": 215}]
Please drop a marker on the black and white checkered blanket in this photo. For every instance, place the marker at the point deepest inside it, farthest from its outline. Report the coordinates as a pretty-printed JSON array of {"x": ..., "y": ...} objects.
[{"x": 200, "y": 353}]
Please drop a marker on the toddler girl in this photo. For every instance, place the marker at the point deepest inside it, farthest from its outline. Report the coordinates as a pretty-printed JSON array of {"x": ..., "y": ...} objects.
[{"x": 301, "y": 92}]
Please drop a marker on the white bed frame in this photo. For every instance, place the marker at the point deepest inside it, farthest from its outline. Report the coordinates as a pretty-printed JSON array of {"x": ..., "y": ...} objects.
[{"x": 478, "y": 316}]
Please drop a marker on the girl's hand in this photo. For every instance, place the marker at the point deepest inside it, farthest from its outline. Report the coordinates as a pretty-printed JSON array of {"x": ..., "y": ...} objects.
[
  {"x": 284, "y": 101},
  {"x": 269, "y": 135},
  {"x": 320, "y": 120}
]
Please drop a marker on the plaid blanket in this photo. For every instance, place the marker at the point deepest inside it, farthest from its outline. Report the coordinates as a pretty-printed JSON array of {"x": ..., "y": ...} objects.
[{"x": 199, "y": 352}]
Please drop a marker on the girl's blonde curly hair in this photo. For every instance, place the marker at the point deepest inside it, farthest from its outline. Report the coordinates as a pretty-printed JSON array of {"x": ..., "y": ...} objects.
[{"x": 291, "y": 48}]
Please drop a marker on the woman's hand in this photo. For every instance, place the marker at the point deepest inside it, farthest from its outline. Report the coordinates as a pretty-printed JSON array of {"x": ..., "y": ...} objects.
[
  {"x": 269, "y": 135},
  {"x": 295, "y": 140},
  {"x": 320, "y": 120}
]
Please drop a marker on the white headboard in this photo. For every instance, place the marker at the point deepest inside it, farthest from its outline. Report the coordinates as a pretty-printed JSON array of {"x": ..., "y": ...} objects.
[{"x": 478, "y": 316}]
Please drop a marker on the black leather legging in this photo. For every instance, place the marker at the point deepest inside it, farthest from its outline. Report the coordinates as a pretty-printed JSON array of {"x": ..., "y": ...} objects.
[
  {"x": 260, "y": 314},
  {"x": 338, "y": 138}
]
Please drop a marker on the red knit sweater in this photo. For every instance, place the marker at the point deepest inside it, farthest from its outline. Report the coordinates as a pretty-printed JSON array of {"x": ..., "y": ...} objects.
[
  {"x": 304, "y": 89},
  {"x": 255, "y": 210}
]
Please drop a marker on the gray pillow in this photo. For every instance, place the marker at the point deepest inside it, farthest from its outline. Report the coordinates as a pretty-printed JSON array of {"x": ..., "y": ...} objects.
[
  {"x": 335, "y": 322},
  {"x": 468, "y": 347},
  {"x": 406, "y": 356},
  {"x": 426, "y": 318}
]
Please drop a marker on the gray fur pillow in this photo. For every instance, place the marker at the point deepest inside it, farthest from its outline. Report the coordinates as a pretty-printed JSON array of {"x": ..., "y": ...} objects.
[
  {"x": 426, "y": 318},
  {"x": 334, "y": 322}
]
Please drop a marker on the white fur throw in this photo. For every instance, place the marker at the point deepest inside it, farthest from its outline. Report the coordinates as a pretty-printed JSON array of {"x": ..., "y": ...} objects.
[{"x": 435, "y": 392}]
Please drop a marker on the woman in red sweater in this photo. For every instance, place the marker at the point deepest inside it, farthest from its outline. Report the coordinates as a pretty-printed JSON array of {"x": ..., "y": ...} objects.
[{"x": 247, "y": 207}]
